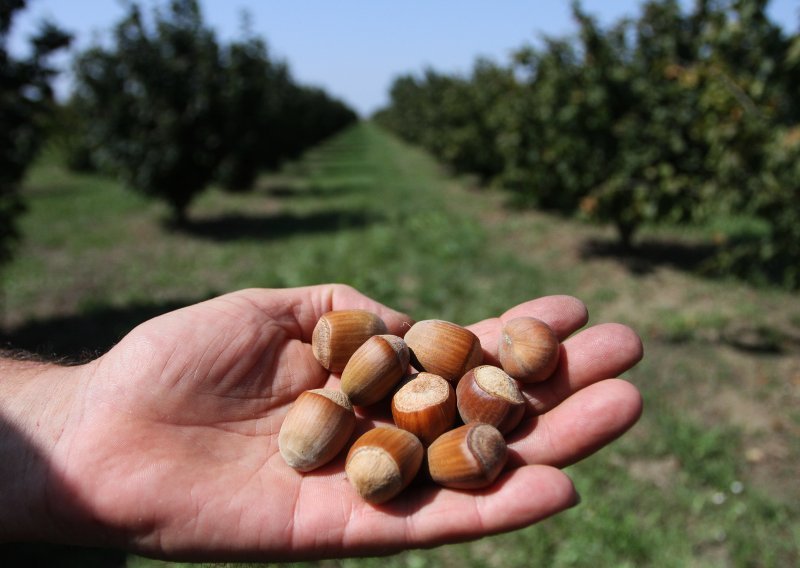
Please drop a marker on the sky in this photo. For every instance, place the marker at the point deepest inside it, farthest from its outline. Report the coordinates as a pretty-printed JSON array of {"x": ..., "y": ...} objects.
[{"x": 355, "y": 48}]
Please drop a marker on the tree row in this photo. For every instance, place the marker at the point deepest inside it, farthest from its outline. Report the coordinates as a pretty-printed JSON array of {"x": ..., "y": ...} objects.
[
  {"x": 171, "y": 109},
  {"x": 163, "y": 105},
  {"x": 670, "y": 117}
]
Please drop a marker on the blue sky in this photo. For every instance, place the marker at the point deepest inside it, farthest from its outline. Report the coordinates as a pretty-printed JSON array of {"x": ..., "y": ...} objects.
[{"x": 353, "y": 48}]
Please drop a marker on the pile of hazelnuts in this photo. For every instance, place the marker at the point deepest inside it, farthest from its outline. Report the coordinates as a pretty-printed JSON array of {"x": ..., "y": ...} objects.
[{"x": 452, "y": 383}]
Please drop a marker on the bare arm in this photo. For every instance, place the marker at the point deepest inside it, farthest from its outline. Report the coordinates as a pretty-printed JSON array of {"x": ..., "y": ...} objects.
[{"x": 36, "y": 400}]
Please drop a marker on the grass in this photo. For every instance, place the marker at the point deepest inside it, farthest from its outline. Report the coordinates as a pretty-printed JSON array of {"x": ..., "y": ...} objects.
[{"x": 707, "y": 478}]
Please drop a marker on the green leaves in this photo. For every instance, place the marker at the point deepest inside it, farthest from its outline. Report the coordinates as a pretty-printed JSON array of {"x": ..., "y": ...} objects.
[
  {"x": 452, "y": 117},
  {"x": 25, "y": 102},
  {"x": 171, "y": 109},
  {"x": 671, "y": 117}
]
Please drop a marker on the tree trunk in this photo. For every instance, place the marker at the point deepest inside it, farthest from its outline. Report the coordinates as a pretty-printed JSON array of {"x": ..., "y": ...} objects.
[
  {"x": 625, "y": 230},
  {"x": 3, "y": 304},
  {"x": 179, "y": 218}
]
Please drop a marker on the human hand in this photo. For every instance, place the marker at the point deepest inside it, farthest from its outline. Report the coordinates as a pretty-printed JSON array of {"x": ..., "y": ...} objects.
[{"x": 167, "y": 444}]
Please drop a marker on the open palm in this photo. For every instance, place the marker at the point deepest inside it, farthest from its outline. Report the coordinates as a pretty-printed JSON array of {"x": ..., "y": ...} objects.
[{"x": 173, "y": 447}]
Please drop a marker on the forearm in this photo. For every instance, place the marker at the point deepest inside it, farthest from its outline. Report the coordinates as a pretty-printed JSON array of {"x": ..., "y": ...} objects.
[{"x": 35, "y": 401}]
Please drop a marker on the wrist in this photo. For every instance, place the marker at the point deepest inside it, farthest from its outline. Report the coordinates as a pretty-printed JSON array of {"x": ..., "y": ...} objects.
[{"x": 36, "y": 404}]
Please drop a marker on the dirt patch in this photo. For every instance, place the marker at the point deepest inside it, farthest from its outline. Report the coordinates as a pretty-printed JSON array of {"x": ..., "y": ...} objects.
[
  {"x": 770, "y": 468},
  {"x": 660, "y": 472},
  {"x": 736, "y": 406}
]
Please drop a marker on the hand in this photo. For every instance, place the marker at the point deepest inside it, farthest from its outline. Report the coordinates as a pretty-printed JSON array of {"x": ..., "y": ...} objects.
[{"x": 167, "y": 444}]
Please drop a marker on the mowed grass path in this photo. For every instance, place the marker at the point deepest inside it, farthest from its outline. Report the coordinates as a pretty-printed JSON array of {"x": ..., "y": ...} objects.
[{"x": 709, "y": 477}]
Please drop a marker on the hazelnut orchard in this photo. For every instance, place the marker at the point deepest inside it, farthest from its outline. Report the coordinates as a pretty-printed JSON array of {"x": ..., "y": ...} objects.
[{"x": 445, "y": 403}]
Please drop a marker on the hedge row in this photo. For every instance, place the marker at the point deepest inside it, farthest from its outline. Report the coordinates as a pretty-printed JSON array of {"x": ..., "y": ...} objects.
[
  {"x": 671, "y": 116},
  {"x": 171, "y": 109},
  {"x": 25, "y": 100}
]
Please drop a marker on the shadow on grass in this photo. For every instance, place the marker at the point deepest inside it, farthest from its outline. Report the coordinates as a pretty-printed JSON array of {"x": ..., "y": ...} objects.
[
  {"x": 82, "y": 337},
  {"x": 282, "y": 191},
  {"x": 699, "y": 259},
  {"x": 647, "y": 255},
  {"x": 236, "y": 226},
  {"x": 60, "y": 556}
]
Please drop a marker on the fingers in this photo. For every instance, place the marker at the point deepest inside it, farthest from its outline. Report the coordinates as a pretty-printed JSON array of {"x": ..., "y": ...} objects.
[
  {"x": 299, "y": 309},
  {"x": 436, "y": 516},
  {"x": 594, "y": 354},
  {"x": 342, "y": 297},
  {"x": 564, "y": 314},
  {"x": 302, "y": 307},
  {"x": 581, "y": 408},
  {"x": 579, "y": 426},
  {"x": 597, "y": 353}
]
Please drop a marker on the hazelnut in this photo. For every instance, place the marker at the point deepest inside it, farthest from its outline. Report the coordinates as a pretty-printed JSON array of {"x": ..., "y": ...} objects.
[
  {"x": 425, "y": 406},
  {"x": 316, "y": 428},
  {"x": 382, "y": 462},
  {"x": 375, "y": 369},
  {"x": 469, "y": 457},
  {"x": 487, "y": 394},
  {"x": 339, "y": 333},
  {"x": 528, "y": 349},
  {"x": 443, "y": 348}
]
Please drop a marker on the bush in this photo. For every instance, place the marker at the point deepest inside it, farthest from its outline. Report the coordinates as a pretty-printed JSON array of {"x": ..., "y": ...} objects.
[
  {"x": 773, "y": 255},
  {"x": 671, "y": 117},
  {"x": 171, "y": 110},
  {"x": 25, "y": 101},
  {"x": 452, "y": 117},
  {"x": 157, "y": 103}
]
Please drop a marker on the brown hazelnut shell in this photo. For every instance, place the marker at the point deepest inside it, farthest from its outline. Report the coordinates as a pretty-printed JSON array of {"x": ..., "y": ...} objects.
[
  {"x": 469, "y": 457},
  {"x": 316, "y": 428},
  {"x": 443, "y": 348},
  {"x": 487, "y": 394},
  {"x": 339, "y": 333},
  {"x": 528, "y": 349},
  {"x": 382, "y": 462},
  {"x": 425, "y": 406},
  {"x": 375, "y": 369}
]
